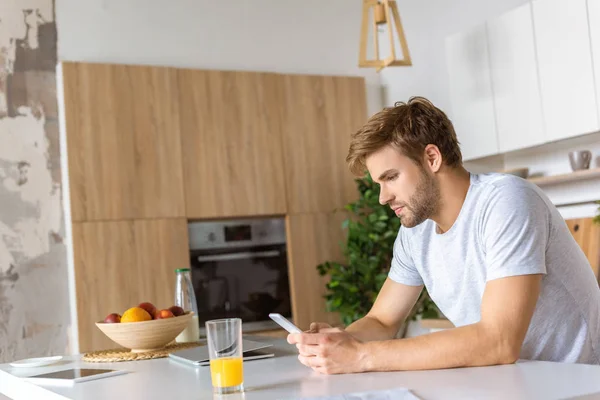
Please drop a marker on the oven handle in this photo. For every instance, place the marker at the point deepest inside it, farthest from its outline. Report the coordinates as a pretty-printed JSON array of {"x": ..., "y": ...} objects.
[{"x": 239, "y": 256}]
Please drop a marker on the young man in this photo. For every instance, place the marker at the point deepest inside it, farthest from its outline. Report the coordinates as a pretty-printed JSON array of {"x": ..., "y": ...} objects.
[{"x": 493, "y": 252}]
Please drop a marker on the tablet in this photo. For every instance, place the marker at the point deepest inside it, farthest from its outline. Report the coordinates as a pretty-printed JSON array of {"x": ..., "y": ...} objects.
[{"x": 71, "y": 376}]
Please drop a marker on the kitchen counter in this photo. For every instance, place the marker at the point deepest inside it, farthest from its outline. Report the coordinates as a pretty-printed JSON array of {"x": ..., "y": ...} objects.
[{"x": 284, "y": 377}]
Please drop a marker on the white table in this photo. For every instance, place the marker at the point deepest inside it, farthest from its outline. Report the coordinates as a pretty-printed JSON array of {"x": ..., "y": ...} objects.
[{"x": 283, "y": 377}]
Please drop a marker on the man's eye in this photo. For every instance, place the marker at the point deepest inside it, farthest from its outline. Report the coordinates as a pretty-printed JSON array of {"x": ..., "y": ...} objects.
[{"x": 392, "y": 178}]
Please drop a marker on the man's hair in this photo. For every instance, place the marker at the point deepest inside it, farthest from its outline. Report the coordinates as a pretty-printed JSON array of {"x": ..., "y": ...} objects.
[{"x": 410, "y": 127}]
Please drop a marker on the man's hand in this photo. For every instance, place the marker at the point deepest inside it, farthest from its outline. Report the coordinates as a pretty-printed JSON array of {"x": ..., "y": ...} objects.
[{"x": 330, "y": 351}]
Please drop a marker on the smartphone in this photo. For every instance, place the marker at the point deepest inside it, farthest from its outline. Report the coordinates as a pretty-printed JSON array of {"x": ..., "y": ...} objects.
[{"x": 284, "y": 323}]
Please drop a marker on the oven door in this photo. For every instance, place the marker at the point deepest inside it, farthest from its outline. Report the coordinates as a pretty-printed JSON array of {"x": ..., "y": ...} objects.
[{"x": 247, "y": 283}]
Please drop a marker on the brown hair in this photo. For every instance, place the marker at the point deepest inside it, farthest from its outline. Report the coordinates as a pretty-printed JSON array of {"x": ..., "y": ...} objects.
[{"x": 410, "y": 127}]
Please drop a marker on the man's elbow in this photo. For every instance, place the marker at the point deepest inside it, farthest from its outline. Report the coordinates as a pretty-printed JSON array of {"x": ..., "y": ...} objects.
[{"x": 508, "y": 351}]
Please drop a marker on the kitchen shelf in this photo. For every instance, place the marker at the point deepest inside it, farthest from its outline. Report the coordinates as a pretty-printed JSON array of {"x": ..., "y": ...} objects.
[{"x": 563, "y": 178}]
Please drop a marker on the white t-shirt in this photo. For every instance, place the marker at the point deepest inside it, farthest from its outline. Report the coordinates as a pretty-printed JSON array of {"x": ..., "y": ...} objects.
[{"x": 506, "y": 227}]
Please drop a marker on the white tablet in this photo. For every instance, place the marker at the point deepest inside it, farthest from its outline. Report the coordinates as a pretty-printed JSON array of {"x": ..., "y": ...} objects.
[{"x": 69, "y": 377}]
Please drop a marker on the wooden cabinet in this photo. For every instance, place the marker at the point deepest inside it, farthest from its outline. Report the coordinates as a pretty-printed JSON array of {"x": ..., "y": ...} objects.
[
  {"x": 312, "y": 239},
  {"x": 119, "y": 264},
  {"x": 471, "y": 93},
  {"x": 593, "y": 7},
  {"x": 587, "y": 235},
  {"x": 565, "y": 67},
  {"x": 231, "y": 137},
  {"x": 320, "y": 113},
  {"x": 517, "y": 99},
  {"x": 123, "y": 142}
]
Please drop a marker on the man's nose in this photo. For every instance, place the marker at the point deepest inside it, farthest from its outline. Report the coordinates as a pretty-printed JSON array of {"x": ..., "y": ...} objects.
[{"x": 384, "y": 197}]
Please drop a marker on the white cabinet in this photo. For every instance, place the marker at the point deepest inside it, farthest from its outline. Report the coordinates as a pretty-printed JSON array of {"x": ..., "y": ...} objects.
[
  {"x": 471, "y": 93},
  {"x": 515, "y": 82},
  {"x": 594, "y": 19},
  {"x": 565, "y": 67}
]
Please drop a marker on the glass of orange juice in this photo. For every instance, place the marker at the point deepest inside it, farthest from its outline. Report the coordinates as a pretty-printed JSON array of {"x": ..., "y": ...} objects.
[{"x": 224, "y": 338}]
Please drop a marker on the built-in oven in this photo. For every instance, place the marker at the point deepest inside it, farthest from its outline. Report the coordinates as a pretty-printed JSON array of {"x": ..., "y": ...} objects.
[{"x": 240, "y": 269}]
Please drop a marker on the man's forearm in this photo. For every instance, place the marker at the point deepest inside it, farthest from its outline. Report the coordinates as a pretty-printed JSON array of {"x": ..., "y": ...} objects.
[
  {"x": 369, "y": 329},
  {"x": 470, "y": 345}
]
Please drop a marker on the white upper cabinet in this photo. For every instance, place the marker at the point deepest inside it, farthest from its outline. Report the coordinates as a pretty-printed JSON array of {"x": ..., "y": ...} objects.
[
  {"x": 472, "y": 112},
  {"x": 565, "y": 67},
  {"x": 515, "y": 82},
  {"x": 594, "y": 18}
]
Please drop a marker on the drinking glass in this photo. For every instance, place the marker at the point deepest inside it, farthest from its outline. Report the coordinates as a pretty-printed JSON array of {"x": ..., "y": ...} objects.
[{"x": 224, "y": 338}]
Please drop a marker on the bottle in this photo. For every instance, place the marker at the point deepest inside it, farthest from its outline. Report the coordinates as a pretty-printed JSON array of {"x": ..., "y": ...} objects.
[{"x": 186, "y": 299}]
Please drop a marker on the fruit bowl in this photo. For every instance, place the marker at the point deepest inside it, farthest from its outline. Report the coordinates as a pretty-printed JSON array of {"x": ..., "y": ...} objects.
[{"x": 145, "y": 335}]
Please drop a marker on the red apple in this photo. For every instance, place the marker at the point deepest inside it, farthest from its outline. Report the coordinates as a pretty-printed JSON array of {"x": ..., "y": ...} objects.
[
  {"x": 176, "y": 310},
  {"x": 149, "y": 307},
  {"x": 164, "y": 314},
  {"x": 112, "y": 318}
]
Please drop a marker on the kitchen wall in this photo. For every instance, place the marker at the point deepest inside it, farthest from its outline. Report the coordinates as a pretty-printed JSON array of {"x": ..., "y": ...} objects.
[
  {"x": 308, "y": 36},
  {"x": 34, "y": 304}
]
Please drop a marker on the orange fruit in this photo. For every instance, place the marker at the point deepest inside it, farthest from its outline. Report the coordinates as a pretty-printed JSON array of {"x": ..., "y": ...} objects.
[{"x": 135, "y": 314}]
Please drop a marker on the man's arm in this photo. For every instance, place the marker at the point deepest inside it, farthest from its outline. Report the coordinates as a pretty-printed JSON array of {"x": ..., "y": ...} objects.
[
  {"x": 506, "y": 310},
  {"x": 507, "y": 307},
  {"x": 392, "y": 306}
]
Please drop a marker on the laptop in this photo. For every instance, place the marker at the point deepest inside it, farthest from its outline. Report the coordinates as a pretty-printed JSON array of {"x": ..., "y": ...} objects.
[{"x": 198, "y": 356}]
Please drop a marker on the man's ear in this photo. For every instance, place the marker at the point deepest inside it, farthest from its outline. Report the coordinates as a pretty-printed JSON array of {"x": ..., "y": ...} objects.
[{"x": 433, "y": 158}]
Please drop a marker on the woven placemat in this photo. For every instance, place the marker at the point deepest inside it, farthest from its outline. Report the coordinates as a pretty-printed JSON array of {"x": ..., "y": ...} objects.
[{"x": 116, "y": 355}]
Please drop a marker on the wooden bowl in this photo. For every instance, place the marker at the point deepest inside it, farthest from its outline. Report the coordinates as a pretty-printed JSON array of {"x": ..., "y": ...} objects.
[{"x": 146, "y": 335}]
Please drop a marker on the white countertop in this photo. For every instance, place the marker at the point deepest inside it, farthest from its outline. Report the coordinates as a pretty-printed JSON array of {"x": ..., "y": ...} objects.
[{"x": 283, "y": 377}]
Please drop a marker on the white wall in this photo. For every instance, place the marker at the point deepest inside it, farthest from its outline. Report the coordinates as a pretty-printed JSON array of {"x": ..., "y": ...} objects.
[
  {"x": 307, "y": 36},
  {"x": 426, "y": 24}
]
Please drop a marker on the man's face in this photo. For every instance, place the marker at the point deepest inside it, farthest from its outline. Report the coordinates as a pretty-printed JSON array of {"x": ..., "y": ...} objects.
[{"x": 409, "y": 189}]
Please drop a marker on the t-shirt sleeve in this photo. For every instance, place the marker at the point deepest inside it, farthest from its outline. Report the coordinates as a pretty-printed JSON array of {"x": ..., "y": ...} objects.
[
  {"x": 403, "y": 269},
  {"x": 516, "y": 231}
]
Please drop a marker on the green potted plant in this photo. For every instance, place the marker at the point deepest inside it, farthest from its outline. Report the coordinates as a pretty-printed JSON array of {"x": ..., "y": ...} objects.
[{"x": 371, "y": 232}]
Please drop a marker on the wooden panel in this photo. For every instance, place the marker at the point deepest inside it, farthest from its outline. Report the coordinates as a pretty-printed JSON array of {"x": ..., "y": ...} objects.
[
  {"x": 471, "y": 96},
  {"x": 230, "y": 124},
  {"x": 517, "y": 98},
  {"x": 123, "y": 142},
  {"x": 320, "y": 115},
  {"x": 587, "y": 235},
  {"x": 120, "y": 264},
  {"x": 312, "y": 239},
  {"x": 565, "y": 67}
]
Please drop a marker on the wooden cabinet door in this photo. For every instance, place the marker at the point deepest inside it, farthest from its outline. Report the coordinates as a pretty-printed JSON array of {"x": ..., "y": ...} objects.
[
  {"x": 124, "y": 149},
  {"x": 565, "y": 67},
  {"x": 587, "y": 235},
  {"x": 119, "y": 264},
  {"x": 320, "y": 115},
  {"x": 231, "y": 138},
  {"x": 312, "y": 239},
  {"x": 517, "y": 98},
  {"x": 471, "y": 95}
]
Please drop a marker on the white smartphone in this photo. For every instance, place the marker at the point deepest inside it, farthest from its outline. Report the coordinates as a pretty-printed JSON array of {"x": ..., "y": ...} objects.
[{"x": 284, "y": 323}]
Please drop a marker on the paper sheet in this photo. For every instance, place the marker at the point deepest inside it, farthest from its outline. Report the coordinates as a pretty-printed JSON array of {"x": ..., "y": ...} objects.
[{"x": 389, "y": 394}]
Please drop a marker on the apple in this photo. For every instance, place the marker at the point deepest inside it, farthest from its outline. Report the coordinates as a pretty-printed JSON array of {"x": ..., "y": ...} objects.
[
  {"x": 150, "y": 309},
  {"x": 164, "y": 314},
  {"x": 112, "y": 318},
  {"x": 176, "y": 310}
]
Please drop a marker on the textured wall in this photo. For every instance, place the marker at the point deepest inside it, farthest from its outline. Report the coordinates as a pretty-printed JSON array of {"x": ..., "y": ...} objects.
[{"x": 34, "y": 303}]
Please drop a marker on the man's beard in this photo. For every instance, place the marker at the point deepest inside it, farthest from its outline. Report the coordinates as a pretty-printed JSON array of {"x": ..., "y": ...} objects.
[{"x": 423, "y": 204}]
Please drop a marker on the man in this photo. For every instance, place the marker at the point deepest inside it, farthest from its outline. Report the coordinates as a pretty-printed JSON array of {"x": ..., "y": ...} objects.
[{"x": 493, "y": 252}]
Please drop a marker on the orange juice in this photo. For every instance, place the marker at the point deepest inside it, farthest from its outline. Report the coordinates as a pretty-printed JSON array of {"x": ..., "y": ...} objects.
[{"x": 226, "y": 372}]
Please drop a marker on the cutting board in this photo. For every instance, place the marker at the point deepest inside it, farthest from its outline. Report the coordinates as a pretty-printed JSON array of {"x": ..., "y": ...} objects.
[{"x": 587, "y": 235}]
